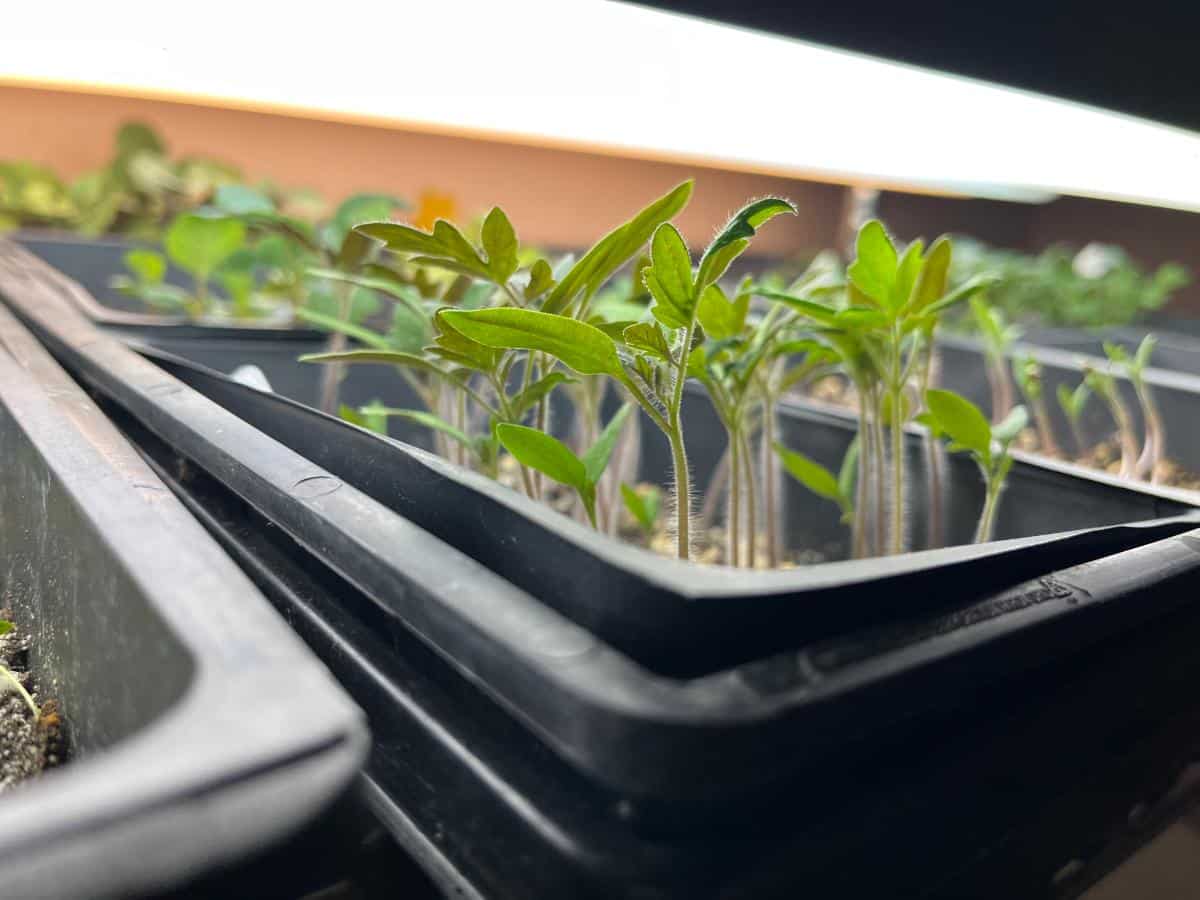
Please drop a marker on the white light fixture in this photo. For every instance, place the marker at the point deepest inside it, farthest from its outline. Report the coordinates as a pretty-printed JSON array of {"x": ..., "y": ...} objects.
[{"x": 610, "y": 77}]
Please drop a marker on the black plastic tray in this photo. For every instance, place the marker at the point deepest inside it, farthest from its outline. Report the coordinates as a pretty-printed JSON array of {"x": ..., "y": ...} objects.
[
  {"x": 861, "y": 651},
  {"x": 1177, "y": 394},
  {"x": 1035, "y": 789},
  {"x": 201, "y": 729},
  {"x": 1174, "y": 351}
]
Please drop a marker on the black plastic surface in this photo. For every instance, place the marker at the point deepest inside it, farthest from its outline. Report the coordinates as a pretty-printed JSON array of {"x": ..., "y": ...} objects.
[
  {"x": 868, "y": 657},
  {"x": 200, "y": 729}
]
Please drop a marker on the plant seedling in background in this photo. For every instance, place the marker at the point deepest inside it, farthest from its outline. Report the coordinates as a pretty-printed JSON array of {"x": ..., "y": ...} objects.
[
  {"x": 9, "y": 681},
  {"x": 1134, "y": 368},
  {"x": 883, "y": 337},
  {"x": 204, "y": 247},
  {"x": 1027, "y": 372},
  {"x": 998, "y": 338},
  {"x": 969, "y": 432},
  {"x": 821, "y": 481},
  {"x": 1073, "y": 403},
  {"x": 552, "y": 457},
  {"x": 1104, "y": 386},
  {"x": 643, "y": 503}
]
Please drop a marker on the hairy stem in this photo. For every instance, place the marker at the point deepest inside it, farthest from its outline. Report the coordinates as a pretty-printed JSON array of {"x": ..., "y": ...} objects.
[
  {"x": 934, "y": 459},
  {"x": 733, "y": 521},
  {"x": 770, "y": 480},
  {"x": 858, "y": 529},
  {"x": 897, "y": 428},
  {"x": 751, "y": 531},
  {"x": 877, "y": 464},
  {"x": 683, "y": 486}
]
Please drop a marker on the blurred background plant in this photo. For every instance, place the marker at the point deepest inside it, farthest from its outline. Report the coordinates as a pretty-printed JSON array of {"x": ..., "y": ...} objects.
[{"x": 1097, "y": 286}]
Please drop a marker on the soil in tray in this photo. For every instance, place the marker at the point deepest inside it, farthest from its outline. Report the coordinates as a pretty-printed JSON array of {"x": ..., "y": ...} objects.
[
  {"x": 29, "y": 744},
  {"x": 1105, "y": 456}
]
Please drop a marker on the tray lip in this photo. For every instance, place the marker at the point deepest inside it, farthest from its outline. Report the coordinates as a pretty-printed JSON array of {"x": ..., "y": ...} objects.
[
  {"x": 162, "y": 765},
  {"x": 1074, "y": 360},
  {"x": 684, "y": 577}
]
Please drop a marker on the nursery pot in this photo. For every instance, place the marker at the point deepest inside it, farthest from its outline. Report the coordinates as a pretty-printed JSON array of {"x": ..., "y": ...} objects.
[
  {"x": 575, "y": 717},
  {"x": 199, "y": 729}
]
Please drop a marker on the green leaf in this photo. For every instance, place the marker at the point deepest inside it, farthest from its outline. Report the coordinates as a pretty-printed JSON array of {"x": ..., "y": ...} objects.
[
  {"x": 377, "y": 424},
  {"x": 541, "y": 279},
  {"x": 445, "y": 247},
  {"x": 500, "y": 244},
  {"x": 669, "y": 278},
  {"x": 931, "y": 283},
  {"x": 643, "y": 506},
  {"x": 547, "y": 454},
  {"x": 376, "y": 357},
  {"x": 595, "y": 460},
  {"x": 421, "y": 417},
  {"x": 720, "y": 318},
  {"x": 341, "y": 326},
  {"x": 818, "y": 312},
  {"x": 810, "y": 473},
  {"x": 909, "y": 268},
  {"x": 198, "y": 244},
  {"x": 463, "y": 350},
  {"x": 964, "y": 291},
  {"x": 1145, "y": 350},
  {"x": 1012, "y": 425},
  {"x": 240, "y": 200},
  {"x": 735, "y": 237},
  {"x": 5, "y": 626},
  {"x": 148, "y": 266},
  {"x": 410, "y": 330},
  {"x": 647, "y": 337},
  {"x": 1066, "y": 400},
  {"x": 616, "y": 248},
  {"x": 874, "y": 268},
  {"x": 962, "y": 421},
  {"x": 848, "y": 474},
  {"x": 579, "y": 346},
  {"x": 355, "y": 210},
  {"x": 532, "y": 395}
]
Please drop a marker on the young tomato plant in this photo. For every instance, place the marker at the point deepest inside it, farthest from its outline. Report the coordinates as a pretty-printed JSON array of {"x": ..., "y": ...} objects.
[
  {"x": 1134, "y": 368},
  {"x": 1027, "y": 372},
  {"x": 1104, "y": 386},
  {"x": 970, "y": 432},
  {"x": 883, "y": 336},
  {"x": 1073, "y": 403}
]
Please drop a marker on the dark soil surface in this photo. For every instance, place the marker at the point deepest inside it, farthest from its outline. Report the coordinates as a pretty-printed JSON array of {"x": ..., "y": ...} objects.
[{"x": 28, "y": 743}]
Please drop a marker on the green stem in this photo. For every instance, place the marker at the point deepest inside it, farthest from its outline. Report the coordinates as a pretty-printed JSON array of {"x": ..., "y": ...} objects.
[
  {"x": 683, "y": 486},
  {"x": 333, "y": 373},
  {"x": 858, "y": 528},
  {"x": 897, "y": 427},
  {"x": 751, "y": 502},
  {"x": 770, "y": 482},
  {"x": 987, "y": 519},
  {"x": 878, "y": 515},
  {"x": 733, "y": 522}
]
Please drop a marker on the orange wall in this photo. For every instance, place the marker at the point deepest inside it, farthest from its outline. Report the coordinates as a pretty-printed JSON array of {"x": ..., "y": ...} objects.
[{"x": 554, "y": 197}]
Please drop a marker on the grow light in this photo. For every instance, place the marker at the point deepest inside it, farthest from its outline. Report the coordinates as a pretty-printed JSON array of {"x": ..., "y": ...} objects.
[{"x": 613, "y": 78}]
